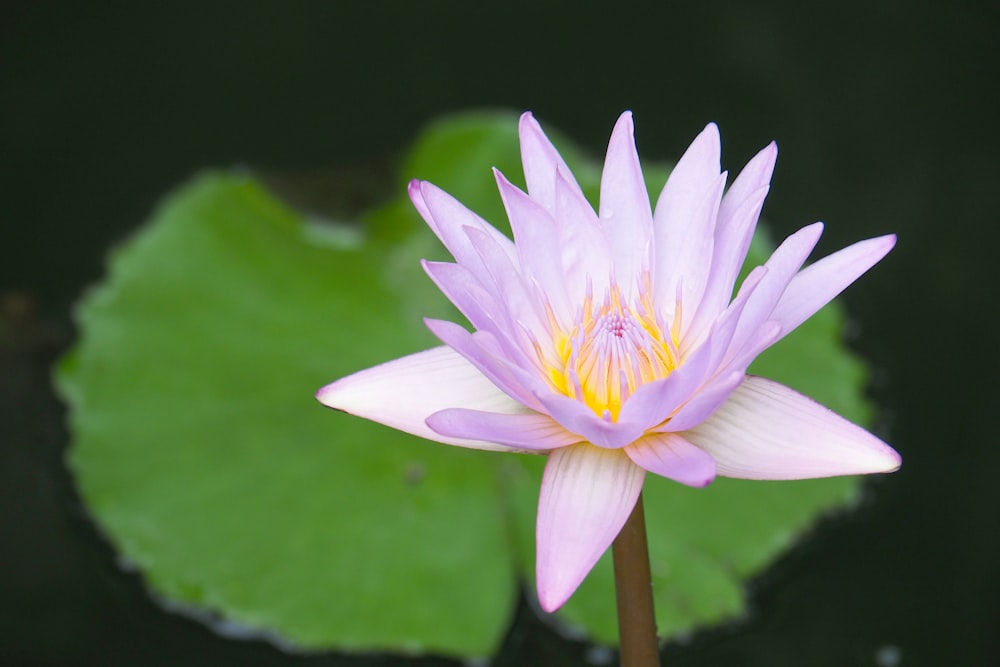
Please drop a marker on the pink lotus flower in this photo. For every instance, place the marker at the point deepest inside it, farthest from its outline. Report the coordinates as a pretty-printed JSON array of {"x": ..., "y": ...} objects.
[{"x": 611, "y": 341}]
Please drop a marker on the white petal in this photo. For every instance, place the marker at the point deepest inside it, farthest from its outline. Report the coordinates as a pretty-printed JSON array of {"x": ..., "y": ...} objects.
[
  {"x": 587, "y": 495},
  {"x": 404, "y": 392},
  {"x": 768, "y": 431}
]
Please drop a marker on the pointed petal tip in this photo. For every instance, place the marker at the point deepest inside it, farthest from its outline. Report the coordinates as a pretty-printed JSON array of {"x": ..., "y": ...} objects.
[
  {"x": 443, "y": 329},
  {"x": 551, "y": 600},
  {"x": 625, "y": 122},
  {"x": 812, "y": 232},
  {"x": 414, "y": 188},
  {"x": 707, "y": 146},
  {"x": 766, "y": 158},
  {"x": 338, "y": 395},
  {"x": 555, "y": 583},
  {"x": 702, "y": 158},
  {"x": 881, "y": 458},
  {"x": 415, "y": 192},
  {"x": 587, "y": 494},
  {"x": 503, "y": 183},
  {"x": 888, "y": 241},
  {"x": 893, "y": 460},
  {"x": 622, "y": 139},
  {"x": 769, "y": 431},
  {"x": 326, "y": 395},
  {"x": 527, "y": 123}
]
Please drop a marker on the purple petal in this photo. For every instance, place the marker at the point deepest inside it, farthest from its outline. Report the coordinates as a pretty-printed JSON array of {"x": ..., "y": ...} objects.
[
  {"x": 537, "y": 238},
  {"x": 585, "y": 250},
  {"x": 448, "y": 218},
  {"x": 467, "y": 293},
  {"x": 480, "y": 307},
  {"x": 781, "y": 268},
  {"x": 653, "y": 402},
  {"x": 576, "y": 417},
  {"x": 738, "y": 215},
  {"x": 817, "y": 284},
  {"x": 689, "y": 251},
  {"x": 704, "y": 402},
  {"x": 756, "y": 175},
  {"x": 729, "y": 253},
  {"x": 587, "y": 495},
  {"x": 719, "y": 339},
  {"x": 403, "y": 393},
  {"x": 625, "y": 214},
  {"x": 532, "y": 430},
  {"x": 699, "y": 167},
  {"x": 684, "y": 221},
  {"x": 752, "y": 345},
  {"x": 496, "y": 369},
  {"x": 541, "y": 161},
  {"x": 523, "y": 305},
  {"x": 670, "y": 455},
  {"x": 691, "y": 385},
  {"x": 768, "y": 431}
]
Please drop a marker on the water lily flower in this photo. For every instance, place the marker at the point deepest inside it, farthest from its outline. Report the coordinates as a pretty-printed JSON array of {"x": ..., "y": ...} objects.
[{"x": 611, "y": 341}]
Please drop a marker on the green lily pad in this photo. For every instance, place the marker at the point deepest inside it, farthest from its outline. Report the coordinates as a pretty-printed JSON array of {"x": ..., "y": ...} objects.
[{"x": 201, "y": 453}]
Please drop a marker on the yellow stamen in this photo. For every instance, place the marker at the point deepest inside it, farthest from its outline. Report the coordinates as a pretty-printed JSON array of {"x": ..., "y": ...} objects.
[{"x": 612, "y": 350}]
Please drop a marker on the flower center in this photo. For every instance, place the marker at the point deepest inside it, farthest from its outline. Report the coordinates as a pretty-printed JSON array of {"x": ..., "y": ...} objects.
[{"x": 612, "y": 349}]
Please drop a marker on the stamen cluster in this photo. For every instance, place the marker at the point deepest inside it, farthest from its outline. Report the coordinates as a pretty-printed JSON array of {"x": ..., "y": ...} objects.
[{"x": 612, "y": 350}]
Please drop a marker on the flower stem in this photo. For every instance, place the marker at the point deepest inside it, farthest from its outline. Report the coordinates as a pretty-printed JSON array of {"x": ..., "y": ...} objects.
[{"x": 634, "y": 591}]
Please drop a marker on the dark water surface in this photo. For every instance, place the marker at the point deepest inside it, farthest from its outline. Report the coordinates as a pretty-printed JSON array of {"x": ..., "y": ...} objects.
[{"x": 886, "y": 117}]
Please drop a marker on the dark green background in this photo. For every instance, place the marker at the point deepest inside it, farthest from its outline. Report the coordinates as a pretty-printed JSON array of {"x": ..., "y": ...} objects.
[{"x": 885, "y": 114}]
